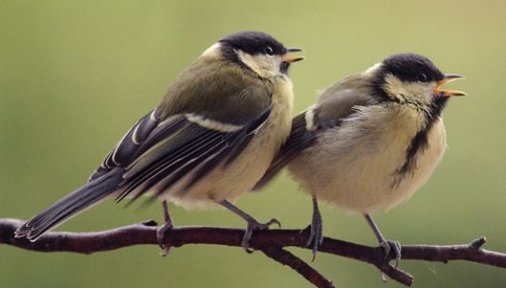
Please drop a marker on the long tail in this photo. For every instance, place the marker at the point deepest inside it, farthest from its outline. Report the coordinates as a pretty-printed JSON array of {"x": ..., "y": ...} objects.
[{"x": 71, "y": 205}]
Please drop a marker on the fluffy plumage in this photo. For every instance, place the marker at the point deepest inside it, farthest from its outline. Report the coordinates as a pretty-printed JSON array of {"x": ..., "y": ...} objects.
[
  {"x": 372, "y": 139},
  {"x": 209, "y": 140}
]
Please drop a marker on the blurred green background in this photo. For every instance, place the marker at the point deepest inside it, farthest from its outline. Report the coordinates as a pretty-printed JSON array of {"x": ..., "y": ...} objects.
[{"x": 74, "y": 75}]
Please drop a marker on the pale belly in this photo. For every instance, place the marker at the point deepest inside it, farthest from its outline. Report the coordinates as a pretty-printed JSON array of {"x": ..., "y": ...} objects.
[
  {"x": 228, "y": 182},
  {"x": 358, "y": 173}
]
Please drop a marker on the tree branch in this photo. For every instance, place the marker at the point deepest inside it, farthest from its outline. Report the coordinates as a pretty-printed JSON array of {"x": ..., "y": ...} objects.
[
  {"x": 286, "y": 258},
  {"x": 269, "y": 242}
]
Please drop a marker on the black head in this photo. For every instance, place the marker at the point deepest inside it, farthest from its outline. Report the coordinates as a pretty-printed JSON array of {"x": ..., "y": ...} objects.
[
  {"x": 253, "y": 43},
  {"x": 409, "y": 67},
  {"x": 259, "y": 53}
]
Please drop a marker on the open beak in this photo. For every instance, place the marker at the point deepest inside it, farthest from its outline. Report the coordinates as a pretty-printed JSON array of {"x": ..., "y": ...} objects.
[
  {"x": 449, "y": 93},
  {"x": 290, "y": 56}
]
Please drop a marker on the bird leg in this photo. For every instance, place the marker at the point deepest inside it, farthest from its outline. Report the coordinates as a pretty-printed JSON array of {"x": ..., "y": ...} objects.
[
  {"x": 387, "y": 245},
  {"x": 316, "y": 233},
  {"x": 167, "y": 225},
  {"x": 252, "y": 223}
]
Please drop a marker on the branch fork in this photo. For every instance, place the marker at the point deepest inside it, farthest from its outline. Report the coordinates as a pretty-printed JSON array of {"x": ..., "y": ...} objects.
[{"x": 269, "y": 242}]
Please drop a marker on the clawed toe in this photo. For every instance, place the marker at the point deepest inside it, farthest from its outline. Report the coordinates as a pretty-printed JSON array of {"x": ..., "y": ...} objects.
[
  {"x": 269, "y": 224},
  {"x": 315, "y": 239},
  {"x": 394, "y": 246},
  {"x": 387, "y": 245},
  {"x": 252, "y": 223},
  {"x": 255, "y": 225},
  {"x": 160, "y": 237}
]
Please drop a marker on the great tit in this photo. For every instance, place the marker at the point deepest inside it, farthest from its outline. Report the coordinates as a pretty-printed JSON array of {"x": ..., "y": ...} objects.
[
  {"x": 371, "y": 141},
  {"x": 210, "y": 139}
]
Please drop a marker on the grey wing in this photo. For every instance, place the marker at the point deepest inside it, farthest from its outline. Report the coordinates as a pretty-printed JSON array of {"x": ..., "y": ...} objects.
[
  {"x": 122, "y": 154},
  {"x": 185, "y": 147},
  {"x": 327, "y": 114},
  {"x": 155, "y": 151},
  {"x": 187, "y": 133}
]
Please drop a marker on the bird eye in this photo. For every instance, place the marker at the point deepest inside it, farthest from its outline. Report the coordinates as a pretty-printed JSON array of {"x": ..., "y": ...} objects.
[
  {"x": 269, "y": 50},
  {"x": 422, "y": 77}
]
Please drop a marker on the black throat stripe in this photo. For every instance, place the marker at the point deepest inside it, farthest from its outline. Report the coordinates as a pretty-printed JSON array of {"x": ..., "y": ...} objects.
[{"x": 420, "y": 141}]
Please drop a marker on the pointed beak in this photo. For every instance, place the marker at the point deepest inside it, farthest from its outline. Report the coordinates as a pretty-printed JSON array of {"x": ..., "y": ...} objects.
[
  {"x": 290, "y": 55},
  {"x": 449, "y": 93}
]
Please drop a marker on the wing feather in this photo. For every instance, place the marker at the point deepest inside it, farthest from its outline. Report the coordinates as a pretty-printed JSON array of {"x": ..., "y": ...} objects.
[
  {"x": 336, "y": 104},
  {"x": 128, "y": 145},
  {"x": 193, "y": 150},
  {"x": 188, "y": 134},
  {"x": 300, "y": 138}
]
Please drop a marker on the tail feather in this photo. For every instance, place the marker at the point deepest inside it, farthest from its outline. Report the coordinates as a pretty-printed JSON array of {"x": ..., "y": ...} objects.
[{"x": 71, "y": 205}]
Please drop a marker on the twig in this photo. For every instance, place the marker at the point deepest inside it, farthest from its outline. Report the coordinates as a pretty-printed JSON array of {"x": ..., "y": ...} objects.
[
  {"x": 284, "y": 257},
  {"x": 145, "y": 234}
]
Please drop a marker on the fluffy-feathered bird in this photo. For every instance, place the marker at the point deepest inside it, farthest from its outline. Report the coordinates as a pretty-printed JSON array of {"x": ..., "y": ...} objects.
[
  {"x": 371, "y": 141},
  {"x": 210, "y": 139}
]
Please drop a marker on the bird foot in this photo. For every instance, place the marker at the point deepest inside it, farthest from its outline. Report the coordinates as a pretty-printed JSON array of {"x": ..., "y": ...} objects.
[
  {"x": 315, "y": 238},
  {"x": 395, "y": 246},
  {"x": 255, "y": 225},
  {"x": 160, "y": 237}
]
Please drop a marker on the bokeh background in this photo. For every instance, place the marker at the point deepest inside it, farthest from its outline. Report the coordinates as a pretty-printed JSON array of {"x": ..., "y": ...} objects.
[{"x": 74, "y": 75}]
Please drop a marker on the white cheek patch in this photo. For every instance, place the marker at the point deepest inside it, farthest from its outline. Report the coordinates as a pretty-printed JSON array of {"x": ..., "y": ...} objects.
[
  {"x": 264, "y": 65},
  {"x": 248, "y": 60},
  {"x": 405, "y": 91}
]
